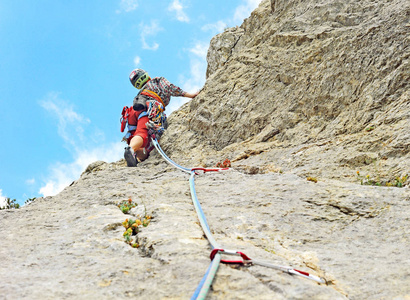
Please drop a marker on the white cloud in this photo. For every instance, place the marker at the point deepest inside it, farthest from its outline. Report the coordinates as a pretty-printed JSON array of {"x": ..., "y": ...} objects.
[
  {"x": 244, "y": 10},
  {"x": 61, "y": 175},
  {"x": 200, "y": 50},
  {"x": 149, "y": 30},
  {"x": 3, "y": 200},
  {"x": 127, "y": 6},
  {"x": 198, "y": 66},
  {"x": 197, "y": 74},
  {"x": 179, "y": 10},
  {"x": 70, "y": 124},
  {"x": 215, "y": 28},
  {"x": 30, "y": 181},
  {"x": 241, "y": 12},
  {"x": 137, "y": 61},
  {"x": 74, "y": 130},
  {"x": 176, "y": 103}
]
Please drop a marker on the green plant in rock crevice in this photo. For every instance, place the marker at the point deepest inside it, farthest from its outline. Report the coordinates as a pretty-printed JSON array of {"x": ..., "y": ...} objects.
[
  {"x": 126, "y": 205},
  {"x": 132, "y": 226},
  {"x": 376, "y": 180},
  {"x": 398, "y": 181},
  {"x": 131, "y": 229}
]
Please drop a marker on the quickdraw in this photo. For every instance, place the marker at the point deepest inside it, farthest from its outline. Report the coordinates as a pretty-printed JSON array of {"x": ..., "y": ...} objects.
[
  {"x": 156, "y": 114},
  {"x": 217, "y": 251},
  {"x": 245, "y": 259},
  {"x": 155, "y": 111}
]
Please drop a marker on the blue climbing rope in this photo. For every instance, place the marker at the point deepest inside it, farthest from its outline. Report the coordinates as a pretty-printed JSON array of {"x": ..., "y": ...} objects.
[
  {"x": 200, "y": 213},
  {"x": 156, "y": 145}
]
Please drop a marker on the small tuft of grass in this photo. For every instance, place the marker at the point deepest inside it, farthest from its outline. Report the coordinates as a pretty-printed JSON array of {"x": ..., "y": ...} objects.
[
  {"x": 399, "y": 181},
  {"x": 312, "y": 179},
  {"x": 270, "y": 251}
]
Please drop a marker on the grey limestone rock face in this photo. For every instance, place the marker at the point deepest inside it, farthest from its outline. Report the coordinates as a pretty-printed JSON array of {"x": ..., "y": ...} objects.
[
  {"x": 309, "y": 79},
  {"x": 221, "y": 48},
  {"x": 71, "y": 246}
]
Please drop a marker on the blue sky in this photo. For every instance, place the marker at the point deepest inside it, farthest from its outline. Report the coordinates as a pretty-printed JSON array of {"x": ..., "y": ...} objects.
[{"x": 64, "y": 77}]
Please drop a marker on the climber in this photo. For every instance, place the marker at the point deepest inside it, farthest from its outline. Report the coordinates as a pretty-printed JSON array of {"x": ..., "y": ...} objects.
[{"x": 146, "y": 115}]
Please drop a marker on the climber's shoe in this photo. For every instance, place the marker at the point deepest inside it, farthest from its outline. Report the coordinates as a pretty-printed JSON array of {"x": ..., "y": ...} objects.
[{"x": 130, "y": 158}]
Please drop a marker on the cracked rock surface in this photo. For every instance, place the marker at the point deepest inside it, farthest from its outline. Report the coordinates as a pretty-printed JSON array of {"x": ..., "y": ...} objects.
[{"x": 71, "y": 246}]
